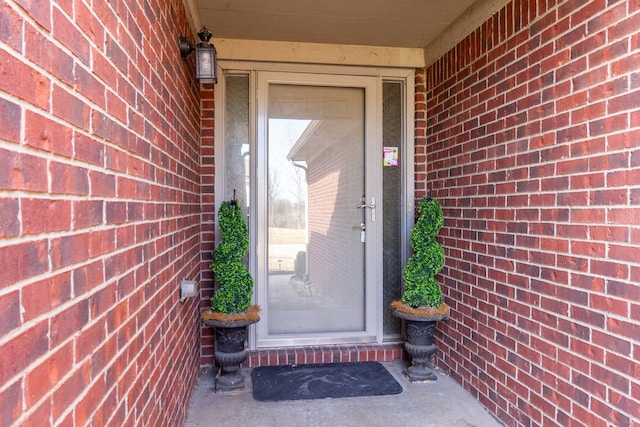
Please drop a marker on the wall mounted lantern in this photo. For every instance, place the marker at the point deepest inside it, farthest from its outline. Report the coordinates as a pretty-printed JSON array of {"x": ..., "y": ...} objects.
[{"x": 205, "y": 56}]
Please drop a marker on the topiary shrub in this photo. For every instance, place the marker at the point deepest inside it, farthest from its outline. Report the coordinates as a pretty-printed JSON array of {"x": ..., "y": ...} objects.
[
  {"x": 233, "y": 278},
  {"x": 421, "y": 287}
]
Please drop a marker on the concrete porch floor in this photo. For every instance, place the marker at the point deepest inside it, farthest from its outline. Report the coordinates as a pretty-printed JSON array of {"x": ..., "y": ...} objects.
[{"x": 439, "y": 404}]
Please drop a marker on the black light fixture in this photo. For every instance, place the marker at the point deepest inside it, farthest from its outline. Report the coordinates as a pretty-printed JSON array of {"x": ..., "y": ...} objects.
[{"x": 206, "y": 71}]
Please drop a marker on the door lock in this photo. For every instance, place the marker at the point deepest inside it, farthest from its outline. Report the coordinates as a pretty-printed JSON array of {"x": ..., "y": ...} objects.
[{"x": 363, "y": 234}]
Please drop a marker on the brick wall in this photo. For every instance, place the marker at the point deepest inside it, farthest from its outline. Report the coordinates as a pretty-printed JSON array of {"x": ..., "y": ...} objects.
[
  {"x": 208, "y": 223},
  {"x": 99, "y": 213},
  {"x": 531, "y": 142}
]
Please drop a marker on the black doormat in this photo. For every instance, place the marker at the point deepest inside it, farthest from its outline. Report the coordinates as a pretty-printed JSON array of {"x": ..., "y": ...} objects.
[{"x": 320, "y": 381}]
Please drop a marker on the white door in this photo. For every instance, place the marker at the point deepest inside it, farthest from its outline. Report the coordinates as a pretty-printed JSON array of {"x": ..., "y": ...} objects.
[{"x": 318, "y": 175}]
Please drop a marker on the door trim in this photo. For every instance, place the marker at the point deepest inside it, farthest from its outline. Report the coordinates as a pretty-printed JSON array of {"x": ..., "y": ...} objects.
[
  {"x": 373, "y": 186},
  {"x": 250, "y": 69}
]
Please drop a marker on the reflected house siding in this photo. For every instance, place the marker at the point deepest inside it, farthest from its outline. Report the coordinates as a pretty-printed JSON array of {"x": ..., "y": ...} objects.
[
  {"x": 334, "y": 178},
  {"x": 333, "y": 151}
]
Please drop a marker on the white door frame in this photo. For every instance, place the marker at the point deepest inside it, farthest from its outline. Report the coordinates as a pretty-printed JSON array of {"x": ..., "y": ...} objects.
[{"x": 313, "y": 74}]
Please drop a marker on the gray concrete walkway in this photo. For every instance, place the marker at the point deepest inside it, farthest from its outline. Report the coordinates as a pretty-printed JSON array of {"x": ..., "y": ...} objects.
[{"x": 439, "y": 404}]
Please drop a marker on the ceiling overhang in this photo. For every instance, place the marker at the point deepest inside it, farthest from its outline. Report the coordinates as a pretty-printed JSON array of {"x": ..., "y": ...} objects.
[{"x": 381, "y": 33}]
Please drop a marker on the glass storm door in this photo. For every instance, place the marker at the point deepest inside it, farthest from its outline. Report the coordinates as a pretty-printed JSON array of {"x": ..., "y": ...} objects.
[{"x": 317, "y": 231}]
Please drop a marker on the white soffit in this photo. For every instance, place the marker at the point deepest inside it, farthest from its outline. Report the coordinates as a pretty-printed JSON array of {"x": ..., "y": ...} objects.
[
  {"x": 353, "y": 32},
  {"x": 404, "y": 23}
]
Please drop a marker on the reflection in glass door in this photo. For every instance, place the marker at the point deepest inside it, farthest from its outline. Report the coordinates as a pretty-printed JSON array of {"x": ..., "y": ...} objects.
[
  {"x": 316, "y": 179},
  {"x": 318, "y": 217}
]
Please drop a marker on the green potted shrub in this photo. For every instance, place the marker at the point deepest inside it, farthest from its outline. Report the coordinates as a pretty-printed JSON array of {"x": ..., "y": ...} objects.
[
  {"x": 231, "y": 310},
  {"x": 421, "y": 305}
]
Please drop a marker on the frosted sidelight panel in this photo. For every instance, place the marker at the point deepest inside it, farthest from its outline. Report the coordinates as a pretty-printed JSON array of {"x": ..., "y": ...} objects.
[
  {"x": 236, "y": 144},
  {"x": 392, "y": 131}
]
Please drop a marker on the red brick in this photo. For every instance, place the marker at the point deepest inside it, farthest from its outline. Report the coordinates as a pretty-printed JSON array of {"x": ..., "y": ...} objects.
[
  {"x": 10, "y": 308},
  {"x": 34, "y": 88},
  {"x": 87, "y": 213},
  {"x": 9, "y": 218},
  {"x": 68, "y": 34},
  {"x": 68, "y": 322},
  {"x": 76, "y": 248},
  {"x": 624, "y": 27},
  {"x": 109, "y": 129},
  {"x": 635, "y": 274},
  {"x": 609, "y": 269},
  {"x": 625, "y": 404},
  {"x": 87, "y": 84},
  {"x": 40, "y": 297},
  {"x": 91, "y": 28},
  {"x": 11, "y": 403},
  {"x": 624, "y": 216},
  {"x": 102, "y": 301},
  {"x": 588, "y": 417},
  {"x": 609, "y": 413},
  {"x": 46, "y": 375},
  {"x": 45, "y": 215},
  {"x": 48, "y": 55},
  {"x": 103, "y": 185},
  {"x": 88, "y": 404},
  {"x": 623, "y": 328},
  {"x": 610, "y": 234},
  {"x": 626, "y": 64},
  {"x": 612, "y": 344},
  {"x": 623, "y": 178},
  {"x": 36, "y": 415},
  {"x": 22, "y": 171},
  {"x": 10, "y": 118},
  {"x": 45, "y": 134},
  {"x": 609, "y": 162},
  {"x": 588, "y": 282},
  {"x": 66, "y": 393},
  {"x": 116, "y": 107},
  {"x": 116, "y": 159},
  {"x": 588, "y": 215},
  {"x": 70, "y": 108},
  {"x": 609, "y": 125},
  {"x": 39, "y": 10},
  {"x": 111, "y": 411},
  {"x": 11, "y": 25},
  {"x": 68, "y": 179},
  {"x": 20, "y": 351},
  {"x": 89, "y": 150},
  {"x": 23, "y": 260},
  {"x": 587, "y": 113},
  {"x": 102, "y": 356},
  {"x": 624, "y": 253}
]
